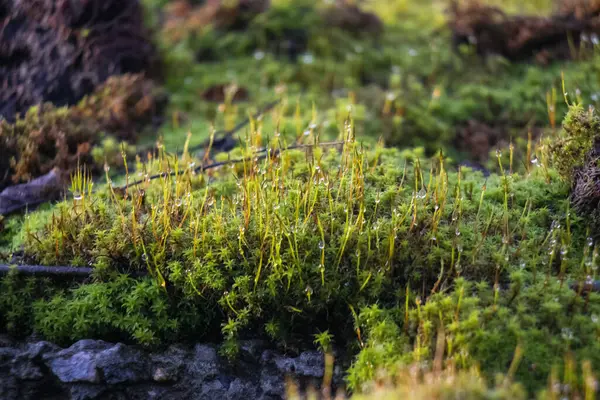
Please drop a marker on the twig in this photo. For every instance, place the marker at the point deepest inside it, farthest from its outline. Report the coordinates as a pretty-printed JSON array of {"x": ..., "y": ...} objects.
[
  {"x": 44, "y": 271},
  {"x": 224, "y": 141},
  {"x": 259, "y": 155}
]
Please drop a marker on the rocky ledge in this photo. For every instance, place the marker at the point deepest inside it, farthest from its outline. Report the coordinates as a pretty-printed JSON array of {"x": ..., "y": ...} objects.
[{"x": 94, "y": 369}]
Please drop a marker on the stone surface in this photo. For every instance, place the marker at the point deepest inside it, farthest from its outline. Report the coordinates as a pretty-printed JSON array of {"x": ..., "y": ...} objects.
[{"x": 98, "y": 370}]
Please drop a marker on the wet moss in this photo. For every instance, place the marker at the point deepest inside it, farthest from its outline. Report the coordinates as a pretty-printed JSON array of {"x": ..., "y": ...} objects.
[
  {"x": 385, "y": 250},
  {"x": 371, "y": 245}
]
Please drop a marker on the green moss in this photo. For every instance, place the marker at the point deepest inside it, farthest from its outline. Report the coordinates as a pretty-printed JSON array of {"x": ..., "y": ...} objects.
[
  {"x": 47, "y": 137},
  {"x": 123, "y": 309},
  {"x": 580, "y": 130},
  {"x": 17, "y": 299},
  {"x": 379, "y": 251},
  {"x": 288, "y": 247},
  {"x": 417, "y": 91}
]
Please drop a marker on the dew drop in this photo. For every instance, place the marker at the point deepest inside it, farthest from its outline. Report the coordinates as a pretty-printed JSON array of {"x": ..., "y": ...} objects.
[
  {"x": 567, "y": 333},
  {"x": 534, "y": 161},
  {"x": 321, "y": 245},
  {"x": 308, "y": 58}
]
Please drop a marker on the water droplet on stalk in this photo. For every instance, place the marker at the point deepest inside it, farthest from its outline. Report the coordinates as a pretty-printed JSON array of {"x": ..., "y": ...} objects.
[
  {"x": 534, "y": 161},
  {"x": 308, "y": 58}
]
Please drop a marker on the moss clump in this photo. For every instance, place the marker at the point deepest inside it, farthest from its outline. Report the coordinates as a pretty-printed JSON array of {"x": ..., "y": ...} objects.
[
  {"x": 580, "y": 131},
  {"x": 368, "y": 244},
  {"x": 123, "y": 309},
  {"x": 17, "y": 301},
  {"x": 47, "y": 137},
  {"x": 576, "y": 154},
  {"x": 125, "y": 106},
  {"x": 483, "y": 326}
]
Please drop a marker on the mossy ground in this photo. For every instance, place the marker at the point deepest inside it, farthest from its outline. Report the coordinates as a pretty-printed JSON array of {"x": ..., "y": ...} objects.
[{"x": 375, "y": 250}]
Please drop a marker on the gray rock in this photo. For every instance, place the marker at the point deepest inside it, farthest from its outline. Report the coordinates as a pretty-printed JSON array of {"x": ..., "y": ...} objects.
[
  {"x": 7, "y": 354},
  {"x": 205, "y": 362},
  {"x": 242, "y": 389},
  {"x": 309, "y": 364},
  {"x": 122, "y": 364},
  {"x": 167, "y": 367},
  {"x": 25, "y": 369},
  {"x": 87, "y": 345},
  {"x": 272, "y": 384},
  {"x": 86, "y": 391},
  {"x": 39, "y": 350},
  {"x": 80, "y": 367},
  {"x": 97, "y": 370},
  {"x": 251, "y": 350},
  {"x": 6, "y": 341},
  {"x": 9, "y": 388}
]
